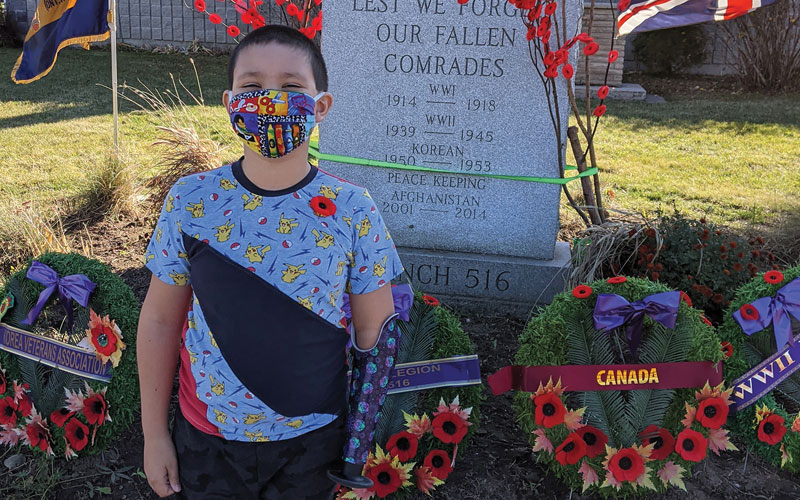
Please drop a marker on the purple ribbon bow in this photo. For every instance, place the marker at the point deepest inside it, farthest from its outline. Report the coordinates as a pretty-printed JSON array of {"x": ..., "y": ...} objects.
[
  {"x": 402, "y": 295},
  {"x": 775, "y": 310},
  {"x": 74, "y": 286},
  {"x": 613, "y": 311}
]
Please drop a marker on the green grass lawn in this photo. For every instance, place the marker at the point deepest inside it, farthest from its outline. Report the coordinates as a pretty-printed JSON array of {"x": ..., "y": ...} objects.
[{"x": 736, "y": 157}]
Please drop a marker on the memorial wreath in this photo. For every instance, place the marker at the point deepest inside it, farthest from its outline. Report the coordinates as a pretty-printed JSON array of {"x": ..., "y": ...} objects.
[
  {"x": 762, "y": 327},
  {"x": 632, "y": 355},
  {"x": 423, "y": 428},
  {"x": 68, "y": 380}
]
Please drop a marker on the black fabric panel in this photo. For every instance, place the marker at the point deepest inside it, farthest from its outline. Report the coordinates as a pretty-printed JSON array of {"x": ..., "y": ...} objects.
[{"x": 290, "y": 358}]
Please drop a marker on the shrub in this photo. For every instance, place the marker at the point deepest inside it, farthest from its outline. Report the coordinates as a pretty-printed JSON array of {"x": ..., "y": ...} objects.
[{"x": 669, "y": 51}]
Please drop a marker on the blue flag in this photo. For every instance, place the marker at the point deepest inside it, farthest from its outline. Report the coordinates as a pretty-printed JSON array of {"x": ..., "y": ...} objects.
[
  {"x": 57, "y": 24},
  {"x": 648, "y": 15}
]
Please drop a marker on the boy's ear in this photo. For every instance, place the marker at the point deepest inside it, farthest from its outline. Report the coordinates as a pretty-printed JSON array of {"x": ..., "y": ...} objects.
[
  {"x": 323, "y": 106},
  {"x": 226, "y": 98}
]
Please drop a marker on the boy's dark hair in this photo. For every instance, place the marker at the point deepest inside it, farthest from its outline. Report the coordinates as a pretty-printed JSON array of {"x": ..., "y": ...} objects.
[{"x": 287, "y": 36}]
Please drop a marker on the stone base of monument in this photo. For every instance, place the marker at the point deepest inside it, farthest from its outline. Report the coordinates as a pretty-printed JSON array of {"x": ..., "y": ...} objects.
[
  {"x": 488, "y": 283},
  {"x": 624, "y": 92}
]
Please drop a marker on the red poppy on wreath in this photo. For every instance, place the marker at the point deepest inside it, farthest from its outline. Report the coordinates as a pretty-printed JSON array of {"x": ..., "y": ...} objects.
[
  {"x": 712, "y": 413},
  {"x": 594, "y": 438},
  {"x": 77, "y": 434},
  {"x": 727, "y": 349},
  {"x": 323, "y": 206},
  {"x": 550, "y": 410},
  {"x": 449, "y": 428},
  {"x": 430, "y": 300},
  {"x": 25, "y": 405},
  {"x": 385, "y": 479},
  {"x": 691, "y": 445},
  {"x": 571, "y": 450},
  {"x": 773, "y": 277},
  {"x": 3, "y": 385},
  {"x": 439, "y": 463},
  {"x": 661, "y": 439},
  {"x": 749, "y": 312},
  {"x": 403, "y": 445},
  {"x": 95, "y": 409},
  {"x": 8, "y": 412},
  {"x": 60, "y": 416},
  {"x": 37, "y": 435},
  {"x": 582, "y": 291},
  {"x": 685, "y": 297},
  {"x": 616, "y": 280},
  {"x": 706, "y": 321},
  {"x": 626, "y": 465},
  {"x": 771, "y": 429}
]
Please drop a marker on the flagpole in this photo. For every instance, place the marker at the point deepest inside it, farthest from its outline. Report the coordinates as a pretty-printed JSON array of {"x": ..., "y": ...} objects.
[{"x": 112, "y": 8}]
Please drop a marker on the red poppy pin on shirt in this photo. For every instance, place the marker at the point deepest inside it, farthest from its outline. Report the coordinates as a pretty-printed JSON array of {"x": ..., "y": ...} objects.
[{"x": 322, "y": 206}]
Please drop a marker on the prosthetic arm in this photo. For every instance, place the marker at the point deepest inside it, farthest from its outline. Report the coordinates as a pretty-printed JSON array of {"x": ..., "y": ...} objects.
[{"x": 369, "y": 385}]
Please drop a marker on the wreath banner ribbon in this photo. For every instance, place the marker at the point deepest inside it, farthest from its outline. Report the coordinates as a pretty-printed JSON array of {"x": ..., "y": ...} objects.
[
  {"x": 65, "y": 357},
  {"x": 584, "y": 378},
  {"x": 75, "y": 286},
  {"x": 776, "y": 311},
  {"x": 764, "y": 377},
  {"x": 423, "y": 375}
]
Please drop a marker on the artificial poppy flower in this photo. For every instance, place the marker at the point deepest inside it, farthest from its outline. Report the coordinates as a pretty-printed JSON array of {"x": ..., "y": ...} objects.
[
  {"x": 449, "y": 428},
  {"x": 661, "y": 439},
  {"x": 571, "y": 450},
  {"x": 77, "y": 434},
  {"x": 616, "y": 280},
  {"x": 706, "y": 321},
  {"x": 771, "y": 429},
  {"x": 685, "y": 297},
  {"x": 200, "y": 5},
  {"x": 748, "y": 311},
  {"x": 403, "y": 445},
  {"x": 691, "y": 445},
  {"x": 95, "y": 409},
  {"x": 104, "y": 337},
  {"x": 590, "y": 48},
  {"x": 773, "y": 277},
  {"x": 25, "y": 405},
  {"x": 323, "y": 206},
  {"x": 439, "y": 463},
  {"x": 60, "y": 416},
  {"x": 603, "y": 91},
  {"x": 594, "y": 438},
  {"x": 37, "y": 435},
  {"x": 233, "y": 31},
  {"x": 431, "y": 301},
  {"x": 712, "y": 413},
  {"x": 568, "y": 71},
  {"x": 385, "y": 479},
  {"x": 626, "y": 465},
  {"x": 215, "y": 18},
  {"x": 599, "y": 110},
  {"x": 613, "y": 56},
  {"x": 581, "y": 291},
  {"x": 8, "y": 412},
  {"x": 727, "y": 349},
  {"x": 3, "y": 385},
  {"x": 550, "y": 410}
]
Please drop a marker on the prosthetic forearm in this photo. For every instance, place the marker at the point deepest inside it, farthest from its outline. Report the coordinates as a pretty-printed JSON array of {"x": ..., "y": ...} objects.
[{"x": 369, "y": 385}]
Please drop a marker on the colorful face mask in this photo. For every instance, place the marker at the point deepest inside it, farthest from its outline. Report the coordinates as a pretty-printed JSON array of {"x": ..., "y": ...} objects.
[{"x": 273, "y": 123}]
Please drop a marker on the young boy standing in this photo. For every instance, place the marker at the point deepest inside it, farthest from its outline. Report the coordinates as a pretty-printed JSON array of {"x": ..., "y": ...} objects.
[{"x": 261, "y": 252}]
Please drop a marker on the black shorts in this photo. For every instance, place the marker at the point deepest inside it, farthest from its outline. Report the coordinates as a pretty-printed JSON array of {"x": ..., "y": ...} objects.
[{"x": 211, "y": 467}]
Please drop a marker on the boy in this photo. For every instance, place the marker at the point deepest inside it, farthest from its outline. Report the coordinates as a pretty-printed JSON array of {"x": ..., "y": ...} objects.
[{"x": 261, "y": 252}]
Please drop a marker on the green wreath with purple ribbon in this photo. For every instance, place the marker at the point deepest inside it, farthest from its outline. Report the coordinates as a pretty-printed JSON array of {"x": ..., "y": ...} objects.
[
  {"x": 58, "y": 309},
  {"x": 762, "y": 326}
]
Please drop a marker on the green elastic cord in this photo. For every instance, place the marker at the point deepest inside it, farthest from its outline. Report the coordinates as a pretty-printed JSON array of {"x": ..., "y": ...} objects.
[{"x": 313, "y": 151}]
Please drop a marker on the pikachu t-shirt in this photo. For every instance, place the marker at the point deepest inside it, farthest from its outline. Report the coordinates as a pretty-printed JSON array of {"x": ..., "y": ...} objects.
[{"x": 263, "y": 355}]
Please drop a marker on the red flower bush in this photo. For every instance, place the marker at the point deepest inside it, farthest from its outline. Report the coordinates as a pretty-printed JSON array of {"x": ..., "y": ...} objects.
[
  {"x": 439, "y": 463},
  {"x": 663, "y": 442},
  {"x": 403, "y": 445},
  {"x": 449, "y": 428},
  {"x": 571, "y": 450},
  {"x": 771, "y": 429},
  {"x": 691, "y": 445},
  {"x": 550, "y": 410},
  {"x": 626, "y": 465},
  {"x": 594, "y": 438},
  {"x": 712, "y": 413}
]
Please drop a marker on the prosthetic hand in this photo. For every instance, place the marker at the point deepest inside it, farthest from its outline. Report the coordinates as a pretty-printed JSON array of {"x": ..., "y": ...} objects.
[{"x": 368, "y": 388}]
